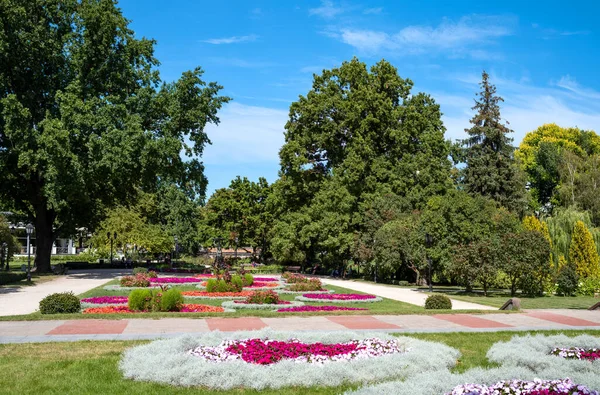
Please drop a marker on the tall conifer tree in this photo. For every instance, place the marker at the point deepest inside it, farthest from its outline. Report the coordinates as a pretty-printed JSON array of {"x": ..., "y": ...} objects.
[{"x": 488, "y": 152}]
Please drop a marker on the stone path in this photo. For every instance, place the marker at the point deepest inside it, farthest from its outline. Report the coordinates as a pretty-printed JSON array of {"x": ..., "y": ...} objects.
[
  {"x": 406, "y": 295},
  {"x": 26, "y": 300},
  {"x": 129, "y": 329}
]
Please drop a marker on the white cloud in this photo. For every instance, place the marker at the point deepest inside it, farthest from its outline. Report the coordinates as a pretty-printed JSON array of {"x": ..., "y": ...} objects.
[
  {"x": 525, "y": 107},
  {"x": 373, "y": 11},
  {"x": 231, "y": 40},
  {"x": 246, "y": 134},
  {"x": 327, "y": 10},
  {"x": 456, "y": 38}
]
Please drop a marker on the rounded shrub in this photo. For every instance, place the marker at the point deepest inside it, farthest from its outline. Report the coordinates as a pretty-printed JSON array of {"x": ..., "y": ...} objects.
[
  {"x": 567, "y": 281},
  {"x": 140, "y": 300},
  {"x": 248, "y": 280},
  {"x": 64, "y": 302},
  {"x": 171, "y": 300},
  {"x": 237, "y": 282},
  {"x": 438, "y": 302},
  {"x": 211, "y": 285},
  {"x": 140, "y": 270}
]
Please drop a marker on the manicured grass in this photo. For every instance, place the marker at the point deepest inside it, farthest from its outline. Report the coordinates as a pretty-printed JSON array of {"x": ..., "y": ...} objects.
[
  {"x": 90, "y": 367},
  {"x": 542, "y": 302}
]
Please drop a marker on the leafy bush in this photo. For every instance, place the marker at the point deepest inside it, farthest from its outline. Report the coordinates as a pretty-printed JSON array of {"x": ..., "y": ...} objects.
[
  {"x": 589, "y": 286},
  {"x": 248, "y": 280},
  {"x": 211, "y": 285},
  {"x": 11, "y": 277},
  {"x": 438, "y": 302},
  {"x": 263, "y": 297},
  {"x": 152, "y": 274},
  {"x": 64, "y": 302},
  {"x": 140, "y": 300},
  {"x": 567, "y": 281},
  {"x": 403, "y": 283},
  {"x": 313, "y": 284},
  {"x": 214, "y": 285},
  {"x": 237, "y": 282},
  {"x": 138, "y": 280},
  {"x": 294, "y": 278},
  {"x": 140, "y": 270},
  {"x": 171, "y": 300}
]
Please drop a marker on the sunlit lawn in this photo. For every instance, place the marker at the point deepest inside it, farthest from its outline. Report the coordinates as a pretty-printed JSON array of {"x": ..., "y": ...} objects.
[
  {"x": 542, "y": 302},
  {"x": 92, "y": 367}
]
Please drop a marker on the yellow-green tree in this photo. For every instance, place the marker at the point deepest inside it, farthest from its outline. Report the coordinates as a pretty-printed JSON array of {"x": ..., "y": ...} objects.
[{"x": 582, "y": 252}]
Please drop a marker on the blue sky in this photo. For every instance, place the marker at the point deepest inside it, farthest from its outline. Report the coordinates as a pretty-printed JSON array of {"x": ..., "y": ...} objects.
[{"x": 543, "y": 57}]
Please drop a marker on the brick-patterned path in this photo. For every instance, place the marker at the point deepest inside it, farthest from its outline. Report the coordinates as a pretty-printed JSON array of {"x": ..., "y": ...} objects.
[{"x": 128, "y": 329}]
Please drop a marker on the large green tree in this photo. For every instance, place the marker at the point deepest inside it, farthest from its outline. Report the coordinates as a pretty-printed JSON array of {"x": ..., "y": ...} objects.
[
  {"x": 84, "y": 120},
  {"x": 357, "y": 134},
  {"x": 490, "y": 165}
]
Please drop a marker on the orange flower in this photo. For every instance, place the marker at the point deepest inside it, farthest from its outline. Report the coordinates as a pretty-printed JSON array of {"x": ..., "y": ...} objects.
[
  {"x": 201, "y": 308},
  {"x": 108, "y": 310}
]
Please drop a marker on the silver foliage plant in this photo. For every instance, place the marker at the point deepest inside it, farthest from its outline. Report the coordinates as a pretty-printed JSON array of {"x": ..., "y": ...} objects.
[
  {"x": 442, "y": 381},
  {"x": 533, "y": 353},
  {"x": 168, "y": 361}
]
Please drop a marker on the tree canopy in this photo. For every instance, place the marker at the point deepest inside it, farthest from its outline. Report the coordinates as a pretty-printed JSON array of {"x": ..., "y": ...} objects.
[{"x": 85, "y": 121}]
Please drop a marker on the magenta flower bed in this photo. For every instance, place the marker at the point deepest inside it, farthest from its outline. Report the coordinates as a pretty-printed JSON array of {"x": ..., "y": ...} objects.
[
  {"x": 339, "y": 296},
  {"x": 302, "y": 309},
  {"x": 266, "y": 352},
  {"x": 590, "y": 354},
  {"x": 106, "y": 300},
  {"x": 267, "y": 279},
  {"x": 175, "y": 280},
  {"x": 262, "y": 284},
  {"x": 280, "y": 302},
  {"x": 535, "y": 387}
]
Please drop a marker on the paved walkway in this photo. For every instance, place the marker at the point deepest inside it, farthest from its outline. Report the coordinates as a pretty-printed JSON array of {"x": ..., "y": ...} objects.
[
  {"x": 406, "y": 295},
  {"x": 26, "y": 299},
  {"x": 129, "y": 329}
]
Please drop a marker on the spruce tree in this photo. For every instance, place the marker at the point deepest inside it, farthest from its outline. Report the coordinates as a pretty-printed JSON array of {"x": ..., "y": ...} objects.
[
  {"x": 488, "y": 152},
  {"x": 582, "y": 252}
]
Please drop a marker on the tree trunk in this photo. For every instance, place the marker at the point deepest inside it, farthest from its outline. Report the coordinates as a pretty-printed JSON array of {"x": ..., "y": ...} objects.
[{"x": 44, "y": 239}]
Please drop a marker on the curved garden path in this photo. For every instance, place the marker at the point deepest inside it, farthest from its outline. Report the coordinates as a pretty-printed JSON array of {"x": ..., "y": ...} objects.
[
  {"x": 16, "y": 300},
  {"x": 406, "y": 295}
]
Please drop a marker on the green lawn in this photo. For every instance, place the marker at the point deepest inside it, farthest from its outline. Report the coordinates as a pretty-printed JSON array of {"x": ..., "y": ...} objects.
[
  {"x": 90, "y": 367},
  {"x": 542, "y": 302}
]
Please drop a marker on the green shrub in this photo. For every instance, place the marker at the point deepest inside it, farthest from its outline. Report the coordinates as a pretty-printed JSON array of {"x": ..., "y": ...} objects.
[
  {"x": 589, "y": 286},
  {"x": 211, "y": 285},
  {"x": 248, "y": 280},
  {"x": 263, "y": 297},
  {"x": 403, "y": 283},
  {"x": 138, "y": 280},
  {"x": 171, "y": 300},
  {"x": 11, "y": 277},
  {"x": 140, "y": 300},
  {"x": 152, "y": 274},
  {"x": 65, "y": 302},
  {"x": 140, "y": 270},
  {"x": 438, "y": 302},
  {"x": 237, "y": 282},
  {"x": 567, "y": 281}
]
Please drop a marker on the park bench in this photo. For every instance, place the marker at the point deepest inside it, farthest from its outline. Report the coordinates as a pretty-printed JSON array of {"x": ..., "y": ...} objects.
[{"x": 295, "y": 269}]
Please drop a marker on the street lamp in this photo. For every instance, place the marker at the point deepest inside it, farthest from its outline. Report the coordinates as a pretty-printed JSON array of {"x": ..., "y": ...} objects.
[
  {"x": 29, "y": 228},
  {"x": 176, "y": 248},
  {"x": 114, "y": 238},
  {"x": 236, "y": 246},
  {"x": 428, "y": 244},
  {"x": 4, "y": 255}
]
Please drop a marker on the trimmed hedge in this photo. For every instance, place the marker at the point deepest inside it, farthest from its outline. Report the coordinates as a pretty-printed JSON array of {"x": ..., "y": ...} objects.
[
  {"x": 11, "y": 277},
  {"x": 438, "y": 302}
]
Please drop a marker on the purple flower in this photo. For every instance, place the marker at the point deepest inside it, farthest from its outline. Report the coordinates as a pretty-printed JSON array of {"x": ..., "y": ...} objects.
[
  {"x": 339, "y": 296},
  {"x": 175, "y": 280},
  {"x": 106, "y": 300},
  {"x": 316, "y": 308}
]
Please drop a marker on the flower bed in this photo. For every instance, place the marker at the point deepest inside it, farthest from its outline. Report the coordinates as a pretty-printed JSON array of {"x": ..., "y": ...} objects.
[
  {"x": 303, "y": 309},
  {"x": 106, "y": 300},
  {"x": 257, "y": 286},
  {"x": 590, "y": 354},
  {"x": 217, "y": 295},
  {"x": 120, "y": 288},
  {"x": 266, "y": 279},
  {"x": 535, "y": 353},
  {"x": 286, "y": 291},
  {"x": 267, "y": 352},
  {"x": 478, "y": 381},
  {"x": 338, "y": 298},
  {"x": 175, "y": 280},
  {"x": 169, "y": 361},
  {"x": 120, "y": 309},
  {"x": 535, "y": 387},
  {"x": 240, "y": 305}
]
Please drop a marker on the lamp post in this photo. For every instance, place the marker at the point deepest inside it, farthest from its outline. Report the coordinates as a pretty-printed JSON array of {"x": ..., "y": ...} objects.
[
  {"x": 428, "y": 244},
  {"x": 376, "y": 263},
  {"x": 236, "y": 246},
  {"x": 3, "y": 256},
  {"x": 114, "y": 238},
  {"x": 176, "y": 248},
  {"x": 29, "y": 228}
]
